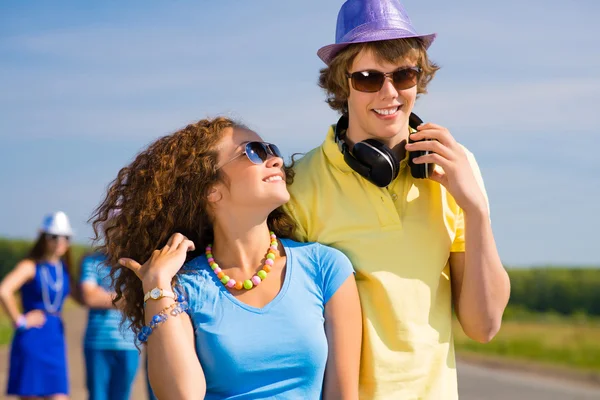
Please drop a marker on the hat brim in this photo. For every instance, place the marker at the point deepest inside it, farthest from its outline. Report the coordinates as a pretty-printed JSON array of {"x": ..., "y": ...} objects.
[{"x": 328, "y": 53}]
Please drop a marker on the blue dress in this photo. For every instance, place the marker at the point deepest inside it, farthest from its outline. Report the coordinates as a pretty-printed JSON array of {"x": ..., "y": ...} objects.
[{"x": 38, "y": 365}]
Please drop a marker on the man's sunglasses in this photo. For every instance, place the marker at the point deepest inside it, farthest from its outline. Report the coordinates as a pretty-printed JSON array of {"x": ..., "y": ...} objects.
[
  {"x": 257, "y": 152},
  {"x": 50, "y": 236},
  {"x": 371, "y": 81}
]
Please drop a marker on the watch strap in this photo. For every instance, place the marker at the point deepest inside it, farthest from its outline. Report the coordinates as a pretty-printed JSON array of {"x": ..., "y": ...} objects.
[{"x": 158, "y": 293}]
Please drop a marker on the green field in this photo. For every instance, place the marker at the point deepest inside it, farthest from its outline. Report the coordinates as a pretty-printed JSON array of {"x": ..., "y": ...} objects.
[
  {"x": 5, "y": 330},
  {"x": 14, "y": 250},
  {"x": 565, "y": 342}
]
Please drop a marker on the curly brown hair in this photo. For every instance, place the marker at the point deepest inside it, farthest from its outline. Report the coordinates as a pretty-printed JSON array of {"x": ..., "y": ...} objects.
[
  {"x": 334, "y": 81},
  {"x": 163, "y": 191}
]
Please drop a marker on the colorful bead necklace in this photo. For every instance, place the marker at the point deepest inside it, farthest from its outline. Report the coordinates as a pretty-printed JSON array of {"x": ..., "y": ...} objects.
[{"x": 248, "y": 283}]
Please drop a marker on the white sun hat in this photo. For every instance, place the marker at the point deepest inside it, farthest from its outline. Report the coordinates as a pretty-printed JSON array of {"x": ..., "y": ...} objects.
[{"x": 57, "y": 223}]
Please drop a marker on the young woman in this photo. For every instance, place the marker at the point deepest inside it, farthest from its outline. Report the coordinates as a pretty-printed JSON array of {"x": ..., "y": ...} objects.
[
  {"x": 268, "y": 317},
  {"x": 38, "y": 366}
]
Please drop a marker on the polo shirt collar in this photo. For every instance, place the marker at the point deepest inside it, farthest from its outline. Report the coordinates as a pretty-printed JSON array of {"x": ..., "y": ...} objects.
[{"x": 333, "y": 152}]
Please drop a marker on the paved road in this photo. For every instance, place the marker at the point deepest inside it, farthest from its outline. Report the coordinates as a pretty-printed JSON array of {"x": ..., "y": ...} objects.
[
  {"x": 478, "y": 383},
  {"x": 475, "y": 382}
]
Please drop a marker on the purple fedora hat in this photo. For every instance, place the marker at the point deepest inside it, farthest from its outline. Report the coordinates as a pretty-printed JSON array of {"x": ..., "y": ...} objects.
[{"x": 361, "y": 21}]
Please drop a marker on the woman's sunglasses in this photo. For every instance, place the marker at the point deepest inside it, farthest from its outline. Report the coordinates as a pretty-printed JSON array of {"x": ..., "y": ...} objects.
[
  {"x": 50, "y": 236},
  {"x": 257, "y": 152},
  {"x": 372, "y": 81}
]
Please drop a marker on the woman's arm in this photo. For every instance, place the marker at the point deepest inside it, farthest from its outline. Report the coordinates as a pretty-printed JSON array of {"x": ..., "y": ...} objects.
[
  {"x": 343, "y": 327},
  {"x": 23, "y": 272},
  {"x": 173, "y": 366},
  {"x": 174, "y": 369}
]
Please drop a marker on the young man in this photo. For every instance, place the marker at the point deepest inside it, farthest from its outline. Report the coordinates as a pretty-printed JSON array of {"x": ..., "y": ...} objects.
[
  {"x": 111, "y": 357},
  {"x": 419, "y": 246}
]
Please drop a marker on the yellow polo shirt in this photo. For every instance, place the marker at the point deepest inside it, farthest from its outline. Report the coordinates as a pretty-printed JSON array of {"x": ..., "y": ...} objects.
[{"x": 399, "y": 240}]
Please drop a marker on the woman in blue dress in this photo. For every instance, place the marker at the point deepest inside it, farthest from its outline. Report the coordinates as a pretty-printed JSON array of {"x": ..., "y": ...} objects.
[{"x": 38, "y": 366}]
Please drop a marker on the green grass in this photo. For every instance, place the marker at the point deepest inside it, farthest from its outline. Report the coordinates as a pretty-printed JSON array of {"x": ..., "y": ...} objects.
[
  {"x": 567, "y": 342},
  {"x": 6, "y": 330}
]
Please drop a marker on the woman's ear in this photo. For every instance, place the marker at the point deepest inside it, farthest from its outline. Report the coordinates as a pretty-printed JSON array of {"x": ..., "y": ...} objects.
[{"x": 214, "y": 195}]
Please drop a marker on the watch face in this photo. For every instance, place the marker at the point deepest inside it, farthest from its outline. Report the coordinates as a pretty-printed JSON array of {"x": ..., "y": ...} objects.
[{"x": 155, "y": 293}]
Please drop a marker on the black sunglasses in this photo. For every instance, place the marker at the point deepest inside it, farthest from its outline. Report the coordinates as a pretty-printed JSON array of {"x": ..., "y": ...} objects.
[
  {"x": 372, "y": 81},
  {"x": 257, "y": 152},
  {"x": 50, "y": 236}
]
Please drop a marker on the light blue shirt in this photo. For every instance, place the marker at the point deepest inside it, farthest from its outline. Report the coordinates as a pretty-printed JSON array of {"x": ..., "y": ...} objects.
[
  {"x": 275, "y": 352},
  {"x": 104, "y": 330}
]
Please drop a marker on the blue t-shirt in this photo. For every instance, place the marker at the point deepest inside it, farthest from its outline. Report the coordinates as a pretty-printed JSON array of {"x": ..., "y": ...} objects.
[
  {"x": 275, "y": 352},
  {"x": 104, "y": 330}
]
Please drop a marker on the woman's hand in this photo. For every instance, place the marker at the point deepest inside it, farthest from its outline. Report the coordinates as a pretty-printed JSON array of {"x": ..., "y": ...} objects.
[
  {"x": 35, "y": 319},
  {"x": 163, "y": 264}
]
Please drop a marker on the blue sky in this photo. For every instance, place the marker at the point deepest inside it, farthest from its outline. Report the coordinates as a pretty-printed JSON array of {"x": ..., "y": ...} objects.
[{"x": 85, "y": 86}]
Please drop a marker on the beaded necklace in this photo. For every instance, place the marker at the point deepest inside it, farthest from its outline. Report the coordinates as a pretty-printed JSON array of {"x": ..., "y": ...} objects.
[
  {"x": 248, "y": 283},
  {"x": 47, "y": 283}
]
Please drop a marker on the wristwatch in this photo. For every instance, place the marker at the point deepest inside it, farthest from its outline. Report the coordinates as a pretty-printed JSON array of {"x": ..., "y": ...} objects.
[{"x": 158, "y": 293}]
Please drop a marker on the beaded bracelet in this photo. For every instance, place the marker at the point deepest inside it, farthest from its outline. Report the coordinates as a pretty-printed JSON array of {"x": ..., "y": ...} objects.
[
  {"x": 174, "y": 309},
  {"x": 21, "y": 323}
]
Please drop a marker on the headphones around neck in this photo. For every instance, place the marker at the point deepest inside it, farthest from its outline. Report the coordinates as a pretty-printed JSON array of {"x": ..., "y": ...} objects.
[{"x": 375, "y": 161}]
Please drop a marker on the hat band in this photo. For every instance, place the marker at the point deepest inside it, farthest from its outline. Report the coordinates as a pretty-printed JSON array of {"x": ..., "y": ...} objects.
[{"x": 379, "y": 28}]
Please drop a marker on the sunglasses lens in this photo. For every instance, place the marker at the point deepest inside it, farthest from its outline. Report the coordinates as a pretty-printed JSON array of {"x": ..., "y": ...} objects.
[
  {"x": 256, "y": 152},
  {"x": 372, "y": 81},
  {"x": 367, "y": 81},
  {"x": 56, "y": 237},
  {"x": 405, "y": 78},
  {"x": 275, "y": 150}
]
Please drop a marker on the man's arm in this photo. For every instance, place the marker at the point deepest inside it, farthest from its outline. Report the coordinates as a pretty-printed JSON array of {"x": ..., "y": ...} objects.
[
  {"x": 92, "y": 293},
  {"x": 480, "y": 284},
  {"x": 94, "y": 296}
]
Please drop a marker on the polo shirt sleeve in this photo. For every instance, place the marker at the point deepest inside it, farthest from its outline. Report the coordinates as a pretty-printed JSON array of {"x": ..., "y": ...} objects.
[
  {"x": 334, "y": 269},
  {"x": 458, "y": 245},
  {"x": 89, "y": 270}
]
